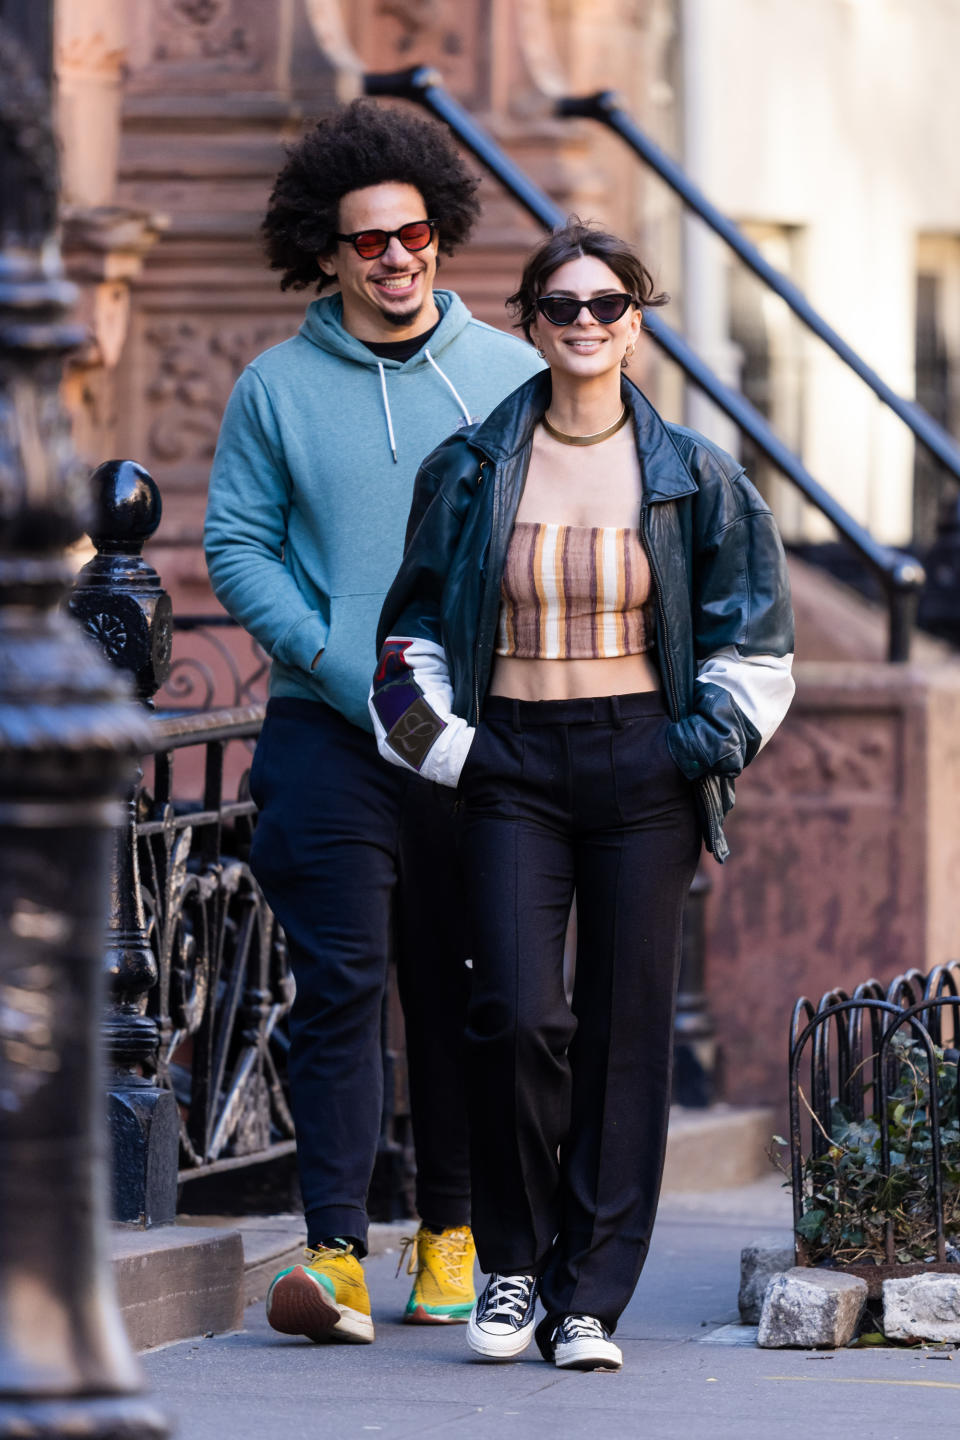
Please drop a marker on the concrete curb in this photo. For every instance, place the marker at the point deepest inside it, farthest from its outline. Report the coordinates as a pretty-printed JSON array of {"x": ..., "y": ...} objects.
[
  {"x": 173, "y": 1283},
  {"x": 196, "y": 1277}
]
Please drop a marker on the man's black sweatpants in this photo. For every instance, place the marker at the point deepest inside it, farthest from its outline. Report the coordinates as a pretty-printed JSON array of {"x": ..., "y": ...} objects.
[{"x": 357, "y": 860}]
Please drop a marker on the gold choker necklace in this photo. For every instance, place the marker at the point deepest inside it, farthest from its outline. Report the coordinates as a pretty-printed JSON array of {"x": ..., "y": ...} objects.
[{"x": 594, "y": 439}]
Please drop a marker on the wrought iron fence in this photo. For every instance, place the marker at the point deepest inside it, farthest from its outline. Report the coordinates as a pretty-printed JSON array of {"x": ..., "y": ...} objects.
[
  {"x": 200, "y": 978},
  {"x": 213, "y": 663},
  {"x": 224, "y": 983},
  {"x": 874, "y": 1135}
]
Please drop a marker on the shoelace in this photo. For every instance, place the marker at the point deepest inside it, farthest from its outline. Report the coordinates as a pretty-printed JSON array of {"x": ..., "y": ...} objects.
[
  {"x": 450, "y": 1249},
  {"x": 408, "y": 1245},
  {"x": 316, "y": 1252},
  {"x": 509, "y": 1295},
  {"x": 580, "y": 1327}
]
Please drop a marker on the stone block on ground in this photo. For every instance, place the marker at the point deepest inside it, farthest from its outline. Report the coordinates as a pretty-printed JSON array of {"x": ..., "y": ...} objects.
[
  {"x": 811, "y": 1310},
  {"x": 770, "y": 1255},
  {"x": 922, "y": 1307}
]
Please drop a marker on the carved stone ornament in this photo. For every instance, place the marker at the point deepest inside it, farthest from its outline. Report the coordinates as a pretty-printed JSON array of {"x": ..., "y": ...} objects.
[
  {"x": 228, "y": 32},
  {"x": 196, "y": 365},
  {"x": 200, "y": 12},
  {"x": 456, "y": 38},
  {"x": 856, "y": 757}
]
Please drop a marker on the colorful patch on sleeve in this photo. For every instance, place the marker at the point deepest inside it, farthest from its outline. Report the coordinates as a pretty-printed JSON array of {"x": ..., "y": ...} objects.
[
  {"x": 392, "y": 664},
  {"x": 390, "y": 701},
  {"x": 414, "y": 733}
]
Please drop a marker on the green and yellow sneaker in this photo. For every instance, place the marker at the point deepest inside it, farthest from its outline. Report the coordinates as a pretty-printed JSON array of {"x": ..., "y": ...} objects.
[
  {"x": 326, "y": 1299},
  {"x": 443, "y": 1292}
]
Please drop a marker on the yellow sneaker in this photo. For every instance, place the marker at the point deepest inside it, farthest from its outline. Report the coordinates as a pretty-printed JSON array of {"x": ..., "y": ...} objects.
[
  {"x": 326, "y": 1299},
  {"x": 443, "y": 1292}
]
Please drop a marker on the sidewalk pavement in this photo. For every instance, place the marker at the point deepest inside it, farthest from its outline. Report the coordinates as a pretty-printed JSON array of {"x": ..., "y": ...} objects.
[{"x": 689, "y": 1370}]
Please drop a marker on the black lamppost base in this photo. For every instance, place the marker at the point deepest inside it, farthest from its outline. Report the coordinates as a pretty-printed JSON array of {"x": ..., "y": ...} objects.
[{"x": 93, "y": 1418}]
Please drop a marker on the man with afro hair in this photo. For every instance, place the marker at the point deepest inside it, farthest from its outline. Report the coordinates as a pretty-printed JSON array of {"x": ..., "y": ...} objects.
[{"x": 309, "y": 497}]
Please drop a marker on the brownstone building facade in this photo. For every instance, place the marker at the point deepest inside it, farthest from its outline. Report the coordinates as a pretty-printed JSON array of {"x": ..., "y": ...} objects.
[{"x": 173, "y": 114}]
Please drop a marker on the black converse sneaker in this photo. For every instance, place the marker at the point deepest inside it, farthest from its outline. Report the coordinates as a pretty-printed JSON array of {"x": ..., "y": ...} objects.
[
  {"x": 578, "y": 1342},
  {"x": 501, "y": 1325}
]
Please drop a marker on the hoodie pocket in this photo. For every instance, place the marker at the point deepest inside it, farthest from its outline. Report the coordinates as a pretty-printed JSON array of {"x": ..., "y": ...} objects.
[
  {"x": 344, "y": 671},
  {"x": 303, "y": 642}
]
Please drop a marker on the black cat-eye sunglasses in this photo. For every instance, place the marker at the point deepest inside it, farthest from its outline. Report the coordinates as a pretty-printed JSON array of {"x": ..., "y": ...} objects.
[{"x": 564, "y": 309}]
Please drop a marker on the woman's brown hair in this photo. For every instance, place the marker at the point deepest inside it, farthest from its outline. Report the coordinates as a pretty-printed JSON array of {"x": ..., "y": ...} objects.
[{"x": 576, "y": 238}]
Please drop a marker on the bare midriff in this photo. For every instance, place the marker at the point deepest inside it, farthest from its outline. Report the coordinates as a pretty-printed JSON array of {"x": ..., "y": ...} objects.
[
  {"x": 573, "y": 679},
  {"x": 597, "y": 485}
]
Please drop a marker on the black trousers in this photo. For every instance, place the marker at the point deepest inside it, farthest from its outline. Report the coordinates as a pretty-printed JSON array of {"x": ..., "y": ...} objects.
[
  {"x": 569, "y": 1103},
  {"x": 357, "y": 860}
]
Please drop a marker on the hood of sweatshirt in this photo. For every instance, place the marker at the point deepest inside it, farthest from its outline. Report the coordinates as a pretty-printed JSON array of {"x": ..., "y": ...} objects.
[{"x": 323, "y": 327}]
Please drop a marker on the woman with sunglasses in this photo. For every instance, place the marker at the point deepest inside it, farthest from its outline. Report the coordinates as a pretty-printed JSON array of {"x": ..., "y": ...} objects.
[{"x": 591, "y": 636}]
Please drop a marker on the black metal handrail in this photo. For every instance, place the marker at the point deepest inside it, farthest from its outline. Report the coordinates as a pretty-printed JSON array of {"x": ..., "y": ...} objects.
[
  {"x": 899, "y": 574},
  {"x": 606, "y": 107}
]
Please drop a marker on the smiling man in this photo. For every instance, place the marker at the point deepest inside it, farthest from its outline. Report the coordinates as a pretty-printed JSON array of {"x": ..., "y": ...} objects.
[{"x": 309, "y": 497}]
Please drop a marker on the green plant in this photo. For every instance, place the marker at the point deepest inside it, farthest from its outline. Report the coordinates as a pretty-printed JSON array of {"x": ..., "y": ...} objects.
[{"x": 848, "y": 1201}]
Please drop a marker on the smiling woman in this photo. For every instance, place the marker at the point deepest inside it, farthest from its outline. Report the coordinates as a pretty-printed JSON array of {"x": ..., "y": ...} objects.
[{"x": 590, "y": 636}]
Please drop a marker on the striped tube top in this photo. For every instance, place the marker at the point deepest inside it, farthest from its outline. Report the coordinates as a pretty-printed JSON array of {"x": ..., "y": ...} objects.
[{"x": 575, "y": 592}]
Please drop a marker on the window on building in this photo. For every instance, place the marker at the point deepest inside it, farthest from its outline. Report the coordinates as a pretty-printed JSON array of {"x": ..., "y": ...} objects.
[
  {"x": 937, "y": 372},
  {"x": 770, "y": 341}
]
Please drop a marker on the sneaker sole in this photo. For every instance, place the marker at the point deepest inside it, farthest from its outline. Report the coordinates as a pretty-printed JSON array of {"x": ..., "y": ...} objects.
[
  {"x": 496, "y": 1347},
  {"x": 419, "y": 1315},
  {"x": 299, "y": 1305},
  {"x": 588, "y": 1355}
]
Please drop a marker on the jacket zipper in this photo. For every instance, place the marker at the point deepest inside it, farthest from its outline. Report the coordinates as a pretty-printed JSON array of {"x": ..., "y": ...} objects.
[
  {"x": 476, "y": 648},
  {"x": 651, "y": 559}
]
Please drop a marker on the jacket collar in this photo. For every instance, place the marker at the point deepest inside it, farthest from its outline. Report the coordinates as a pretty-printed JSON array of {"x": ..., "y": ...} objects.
[
  {"x": 510, "y": 426},
  {"x": 666, "y": 475}
]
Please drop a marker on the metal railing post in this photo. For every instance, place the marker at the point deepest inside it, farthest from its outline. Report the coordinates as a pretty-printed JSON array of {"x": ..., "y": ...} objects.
[
  {"x": 903, "y": 596},
  {"x": 68, "y": 741},
  {"x": 120, "y": 601},
  {"x": 695, "y": 1079}
]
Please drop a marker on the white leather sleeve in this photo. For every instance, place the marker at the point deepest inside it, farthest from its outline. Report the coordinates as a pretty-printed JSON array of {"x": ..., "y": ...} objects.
[{"x": 761, "y": 686}]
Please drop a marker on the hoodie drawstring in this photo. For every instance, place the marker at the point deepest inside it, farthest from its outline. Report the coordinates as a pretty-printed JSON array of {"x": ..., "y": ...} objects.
[
  {"x": 449, "y": 384},
  {"x": 386, "y": 402},
  {"x": 386, "y": 411}
]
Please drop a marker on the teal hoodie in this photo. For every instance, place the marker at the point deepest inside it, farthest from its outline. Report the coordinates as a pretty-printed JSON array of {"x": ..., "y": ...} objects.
[{"x": 312, "y": 481}]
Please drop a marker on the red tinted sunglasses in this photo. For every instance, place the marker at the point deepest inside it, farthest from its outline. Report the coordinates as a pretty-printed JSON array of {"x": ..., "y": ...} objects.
[{"x": 416, "y": 235}]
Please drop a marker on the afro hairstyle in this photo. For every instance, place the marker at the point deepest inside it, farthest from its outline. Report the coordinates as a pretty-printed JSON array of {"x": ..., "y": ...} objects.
[{"x": 361, "y": 144}]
